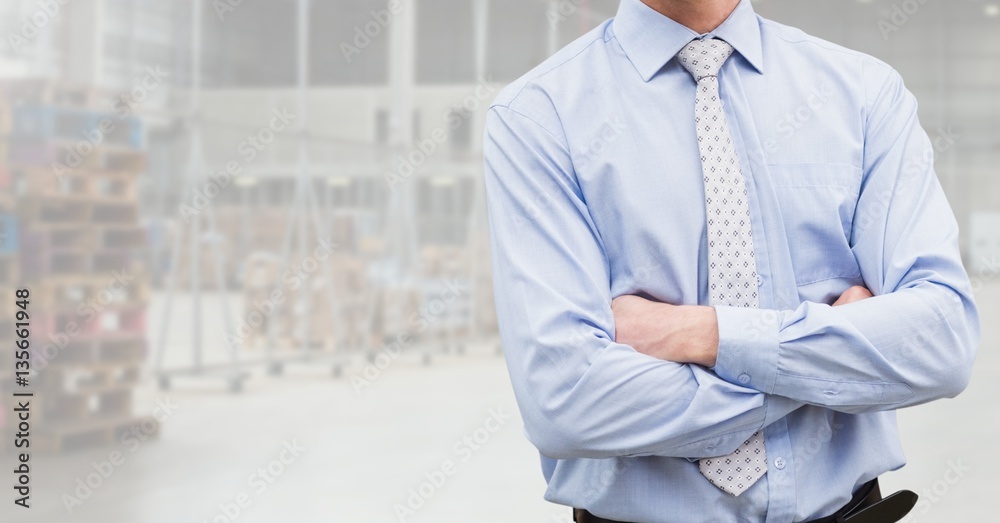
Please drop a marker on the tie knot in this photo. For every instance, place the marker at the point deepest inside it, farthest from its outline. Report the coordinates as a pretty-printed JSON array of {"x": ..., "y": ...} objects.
[{"x": 705, "y": 57}]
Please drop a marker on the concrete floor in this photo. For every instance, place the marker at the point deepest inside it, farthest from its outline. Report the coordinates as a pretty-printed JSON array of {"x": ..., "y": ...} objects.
[{"x": 364, "y": 452}]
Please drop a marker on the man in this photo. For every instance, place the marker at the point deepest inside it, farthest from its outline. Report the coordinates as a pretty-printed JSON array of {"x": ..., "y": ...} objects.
[{"x": 688, "y": 208}]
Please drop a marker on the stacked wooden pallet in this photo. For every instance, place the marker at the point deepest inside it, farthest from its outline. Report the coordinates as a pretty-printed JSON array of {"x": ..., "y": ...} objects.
[
  {"x": 212, "y": 245},
  {"x": 484, "y": 304},
  {"x": 277, "y": 294},
  {"x": 446, "y": 280},
  {"x": 9, "y": 272},
  {"x": 373, "y": 305},
  {"x": 240, "y": 234},
  {"x": 252, "y": 230},
  {"x": 9, "y": 279},
  {"x": 74, "y": 170}
]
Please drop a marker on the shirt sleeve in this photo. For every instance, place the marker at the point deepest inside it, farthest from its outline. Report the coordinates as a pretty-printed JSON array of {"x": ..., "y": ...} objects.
[
  {"x": 582, "y": 395},
  {"x": 915, "y": 341}
]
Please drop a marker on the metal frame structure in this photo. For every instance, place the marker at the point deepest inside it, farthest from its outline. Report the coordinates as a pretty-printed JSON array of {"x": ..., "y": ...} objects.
[
  {"x": 194, "y": 179},
  {"x": 304, "y": 208},
  {"x": 400, "y": 262}
]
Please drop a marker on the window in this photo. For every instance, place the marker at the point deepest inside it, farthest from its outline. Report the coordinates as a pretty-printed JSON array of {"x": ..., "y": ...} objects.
[{"x": 446, "y": 44}]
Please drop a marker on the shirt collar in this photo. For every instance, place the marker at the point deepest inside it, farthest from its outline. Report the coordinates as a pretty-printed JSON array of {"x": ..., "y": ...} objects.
[{"x": 650, "y": 39}]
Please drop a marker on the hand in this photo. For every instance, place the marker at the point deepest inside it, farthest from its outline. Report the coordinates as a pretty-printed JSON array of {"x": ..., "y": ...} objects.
[
  {"x": 678, "y": 333},
  {"x": 856, "y": 293},
  {"x": 681, "y": 333}
]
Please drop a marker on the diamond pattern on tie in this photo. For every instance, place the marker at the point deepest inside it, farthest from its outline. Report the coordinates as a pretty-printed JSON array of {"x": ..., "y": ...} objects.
[
  {"x": 732, "y": 266},
  {"x": 738, "y": 471}
]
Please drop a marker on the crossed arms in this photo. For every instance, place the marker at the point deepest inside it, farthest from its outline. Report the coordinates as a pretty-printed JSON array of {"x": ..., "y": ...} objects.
[
  {"x": 599, "y": 377},
  {"x": 681, "y": 333}
]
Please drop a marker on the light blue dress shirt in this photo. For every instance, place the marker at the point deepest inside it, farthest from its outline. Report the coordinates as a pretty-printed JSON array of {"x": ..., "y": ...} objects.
[{"x": 595, "y": 191}]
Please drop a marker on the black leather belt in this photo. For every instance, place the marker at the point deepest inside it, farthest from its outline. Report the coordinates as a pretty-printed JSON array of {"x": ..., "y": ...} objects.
[{"x": 866, "y": 506}]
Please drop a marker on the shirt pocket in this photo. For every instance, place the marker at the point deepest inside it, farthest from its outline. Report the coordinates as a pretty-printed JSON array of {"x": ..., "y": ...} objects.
[{"x": 817, "y": 202}]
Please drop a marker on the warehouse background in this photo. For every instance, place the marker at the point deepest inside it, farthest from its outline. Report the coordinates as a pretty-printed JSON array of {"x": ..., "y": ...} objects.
[{"x": 255, "y": 239}]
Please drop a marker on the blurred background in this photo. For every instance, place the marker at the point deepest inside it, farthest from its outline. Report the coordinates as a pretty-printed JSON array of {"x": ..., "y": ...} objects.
[{"x": 255, "y": 240}]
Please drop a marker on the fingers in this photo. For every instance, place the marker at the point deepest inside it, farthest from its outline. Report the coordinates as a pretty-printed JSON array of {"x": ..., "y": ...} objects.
[
  {"x": 625, "y": 302},
  {"x": 854, "y": 294}
]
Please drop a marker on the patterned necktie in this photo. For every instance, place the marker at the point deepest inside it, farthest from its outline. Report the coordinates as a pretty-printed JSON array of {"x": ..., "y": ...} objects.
[{"x": 732, "y": 269}]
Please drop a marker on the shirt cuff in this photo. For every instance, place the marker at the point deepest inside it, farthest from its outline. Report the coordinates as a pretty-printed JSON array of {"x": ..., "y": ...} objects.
[{"x": 748, "y": 347}]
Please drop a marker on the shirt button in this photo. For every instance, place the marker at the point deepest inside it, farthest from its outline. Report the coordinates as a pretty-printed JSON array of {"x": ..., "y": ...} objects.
[
  {"x": 760, "y": 281},
  {"x": 743, "y": 378},
  {"x": 779, "y": 463}
]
